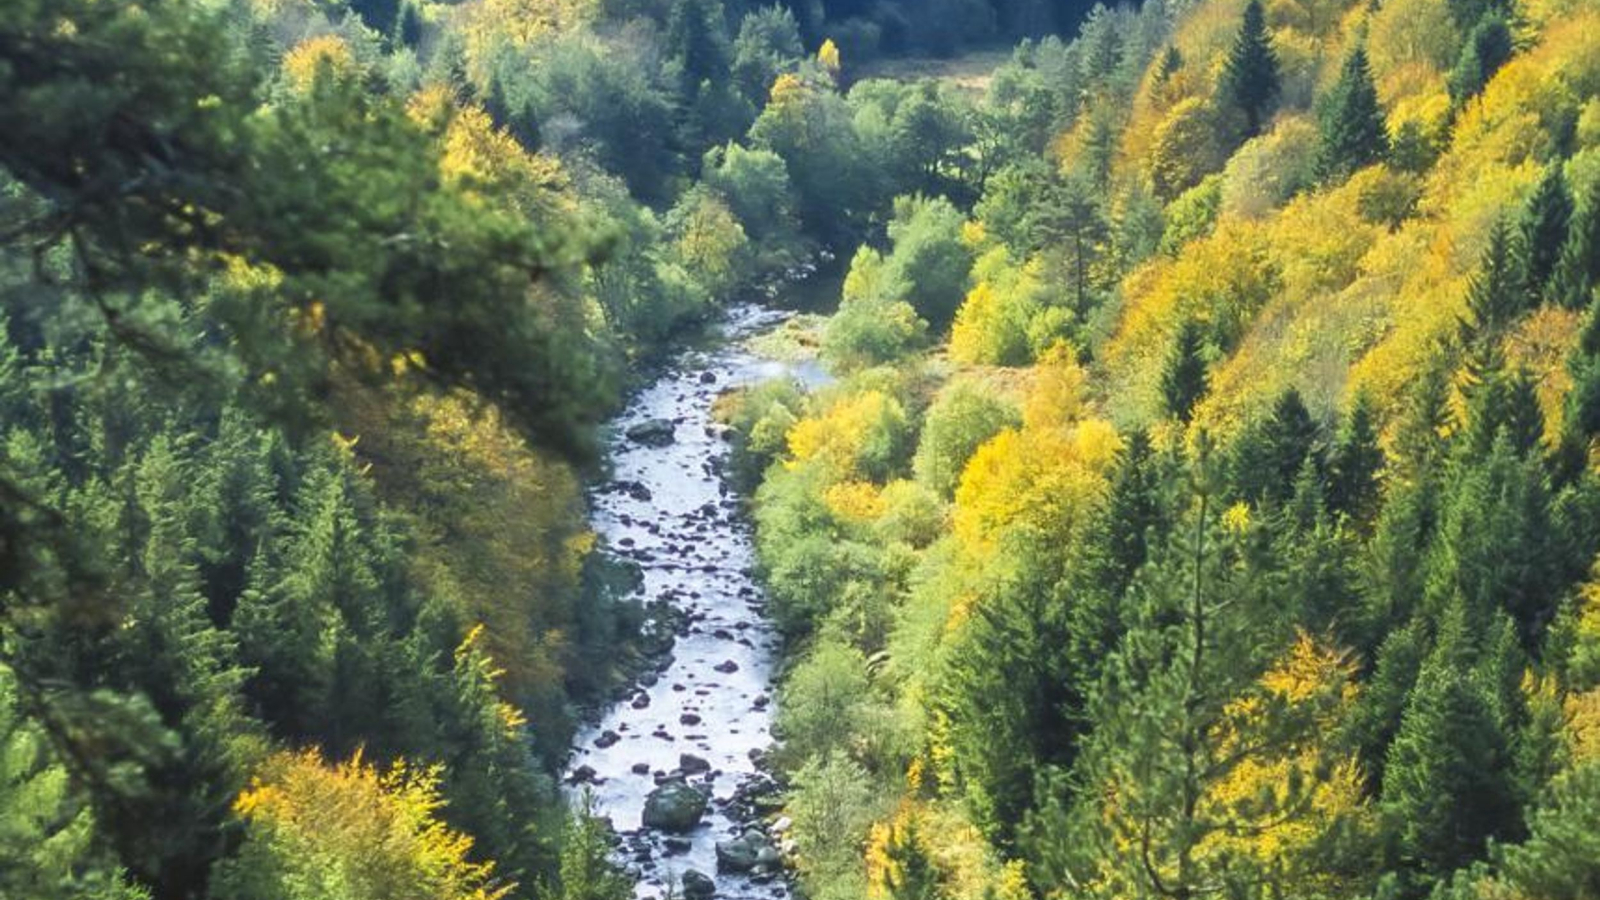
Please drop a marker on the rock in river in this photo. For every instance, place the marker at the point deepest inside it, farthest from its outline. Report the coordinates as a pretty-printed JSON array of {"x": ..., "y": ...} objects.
[
  {"x": 737, "y": 855},
  {"x": 674, "y": 807},
  {"x": 653, "y": 432},
  {"x": 697, "y": 886},
  {"x": 690, "y": 764}
]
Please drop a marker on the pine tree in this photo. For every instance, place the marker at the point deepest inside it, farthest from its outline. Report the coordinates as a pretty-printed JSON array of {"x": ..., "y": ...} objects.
[
  {"x": 1268, "y": 458},
  {"x": 1487, "y": 47},
  {"x": 408, "y": 27},
  {"x": 1572, "y": 282},
  {"x": 1008, "y": 693},
  {"x": 1447, "y": 781},
  {"x": 1169, "y": 730},
  {"x": 1497, "y": 295},
  {"x": 1353, "y": 134},
  {"x": 1184, "y": 380},
  {"x": 1544, "y": 229},
  {"x": 1353, "y": 464},
  {"x": 496, "y": 104},
  {"x": 1250, "y": 79},
  {"x": 586, "y": 871}
]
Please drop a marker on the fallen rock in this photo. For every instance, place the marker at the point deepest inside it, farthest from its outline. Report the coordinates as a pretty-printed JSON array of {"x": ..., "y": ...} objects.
[
  {"x": 606, "y": 739},
  {"x": 737, "y": 855},
  {"x": 698, "y": 886},
  {"x": 674, "y": 807},
  {"x": 641, "y": 768},
  {"x": 690, "y": 764},
  {"x": 652, "y": 433},
  {"x": 581, "y": 775},
  {"x": 727, "y": 667}
]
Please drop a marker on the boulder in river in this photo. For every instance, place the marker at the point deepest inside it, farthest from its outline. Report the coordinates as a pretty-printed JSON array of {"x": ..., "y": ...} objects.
[
  {"x": 689, "y": 764},
  {"x": 698, "y": 886},
  {"x": 653, "y": 432},
  {"x": 737, "y": 855},
  {"x": 674, "y": 806},
  {"x": 606, "y": 739}
]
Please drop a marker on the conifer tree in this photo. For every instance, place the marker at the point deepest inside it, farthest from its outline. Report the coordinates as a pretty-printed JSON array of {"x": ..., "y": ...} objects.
[
  {"x": 1447, "y": 780},
  {"x": 1488, "y": 46},
  {"x": 1353, "y": 463},
  {"x": 909, "y": 874},
  {"x": 1250, "y": 79},
  {"x": 1353, "y": 133},
  {"x": 1544, "y": 229},
  {"x": 1268, "y": 458},
  {"x": 1573, "y": 280},
  {"x": 1497, "y": 294},
  {"x": 408, "y": 27},
  {"x": 1183, "y": 381}
]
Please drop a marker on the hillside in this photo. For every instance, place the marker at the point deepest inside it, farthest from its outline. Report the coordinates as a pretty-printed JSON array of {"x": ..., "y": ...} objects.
[{"x": 1201, "y": 498}]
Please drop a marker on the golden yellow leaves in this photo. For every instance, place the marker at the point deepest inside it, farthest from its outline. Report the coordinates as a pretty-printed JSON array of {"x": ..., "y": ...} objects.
[
  {"x": 1048, "y": 479},
  {"x": 376, "y": 833},
  {"x": 327, "y": 53},
  {"x": 828, "y": 57},
  {"x": 856, "y": 437},
  {"x": 1307, "y": 677}
]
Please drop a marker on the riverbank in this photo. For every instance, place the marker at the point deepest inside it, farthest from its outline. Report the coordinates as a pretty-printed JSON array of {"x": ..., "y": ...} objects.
[{"x": 702, "y": 719}]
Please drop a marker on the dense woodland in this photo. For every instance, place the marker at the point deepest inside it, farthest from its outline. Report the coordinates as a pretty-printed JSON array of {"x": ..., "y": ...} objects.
[{"x": 1207, "y": 502}]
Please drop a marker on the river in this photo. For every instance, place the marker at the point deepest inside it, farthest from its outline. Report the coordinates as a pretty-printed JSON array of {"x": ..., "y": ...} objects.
[{"x": 667, "y": 508}]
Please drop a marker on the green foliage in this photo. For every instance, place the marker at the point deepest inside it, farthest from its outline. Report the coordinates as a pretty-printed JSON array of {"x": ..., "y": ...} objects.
[
  {"x": 1487, "y": 47},
  {"x": 1250, "y": 80},
  {"x": 1183, "y": 381},
  {"x": 960, "y": 420},
  {"x": 929, "y": 257},
  {"x": 587, "y": 872},
  {"x": 1353, "y": 131},
  {"x": 1447, "y": 785},
  {"x": 1543, "y": 230}
]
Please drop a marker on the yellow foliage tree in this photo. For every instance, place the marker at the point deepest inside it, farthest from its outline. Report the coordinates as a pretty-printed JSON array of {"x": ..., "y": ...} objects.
[
  {"x": 315, "y": 831},
  {"x": 327, "y": 53},
  {"x": 860, "y": 436}
]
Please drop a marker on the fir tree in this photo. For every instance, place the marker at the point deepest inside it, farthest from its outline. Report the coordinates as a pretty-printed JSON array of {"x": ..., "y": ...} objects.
[
  {"x": 1183, "y": 381},
  {"x": 1268, "y": 458},
  {"x": 1485, "y": 50},
  {"x": 909, "y": 872},
  {"x": 1250, "y": 79},
  {"x": 1544, "y": 229},
  {"x": 1497, "y": 294},
  {"x": 1353, "y": 134},
  {"x": 1572, "y": 283},
  {"x": 1447, "y": 784},
  {"x": 408, "y": 27},
  {"x": 1353, "y": 463}
]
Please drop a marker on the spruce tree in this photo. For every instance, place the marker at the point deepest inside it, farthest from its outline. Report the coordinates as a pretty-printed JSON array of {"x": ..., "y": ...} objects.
[
  {"x": 1352, "y": 131},
  {"x": 1546, "y": 221},
  {"x": 1353, "y": 463},
  {"x": 1485, "y": 50},
  {"x": 1497, "y": 294},
  {"x": 1183, "y": 381},
  {"x": 1447, "y": 785},
  {"x": 408, "y": 27},
  {"x": 1573, "y": 280},
  {"x": 1250, "y": 79},
  {"x": 1268, "y": 457}
]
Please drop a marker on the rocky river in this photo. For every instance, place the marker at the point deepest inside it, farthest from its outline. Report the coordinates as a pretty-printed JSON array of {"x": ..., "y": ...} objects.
[{"x": 691, "y": 732}]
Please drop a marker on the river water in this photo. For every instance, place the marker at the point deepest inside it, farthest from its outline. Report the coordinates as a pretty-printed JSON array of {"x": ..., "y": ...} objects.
[{"x": 669, "y": 510}]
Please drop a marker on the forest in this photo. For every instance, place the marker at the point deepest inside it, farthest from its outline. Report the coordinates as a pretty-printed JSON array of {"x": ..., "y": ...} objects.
[{"x": 1203, "y": 500}]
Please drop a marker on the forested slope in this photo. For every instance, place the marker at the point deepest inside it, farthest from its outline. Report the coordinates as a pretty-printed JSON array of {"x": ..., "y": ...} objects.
[
  {"x": 310, "y": 312},
  {"x": 1209, "y": 507}
]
